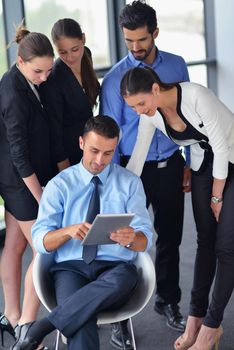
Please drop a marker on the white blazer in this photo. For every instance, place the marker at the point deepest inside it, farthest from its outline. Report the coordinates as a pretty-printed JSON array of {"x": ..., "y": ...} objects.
[{"x": 206, "y": 113}]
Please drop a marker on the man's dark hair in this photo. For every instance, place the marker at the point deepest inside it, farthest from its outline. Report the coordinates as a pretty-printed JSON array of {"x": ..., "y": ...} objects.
[
  {"x": 102, "y": 125},
  {"x": 137, "y": 15}
]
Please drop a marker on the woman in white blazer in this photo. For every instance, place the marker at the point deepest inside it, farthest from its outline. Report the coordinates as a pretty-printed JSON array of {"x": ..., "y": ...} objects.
[{"x": 191, "y": 114}]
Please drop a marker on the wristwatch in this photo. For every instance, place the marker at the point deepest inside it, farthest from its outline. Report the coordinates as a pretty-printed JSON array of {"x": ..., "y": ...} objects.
[
  {"x": 129, "y": 245},
  {"x": 215, "y": 199}
]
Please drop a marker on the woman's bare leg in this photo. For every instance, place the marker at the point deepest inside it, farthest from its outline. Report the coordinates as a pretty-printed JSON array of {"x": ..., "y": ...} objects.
[
  {"x": 11, "y": 265},
  {"x": 31, "y": 302}
]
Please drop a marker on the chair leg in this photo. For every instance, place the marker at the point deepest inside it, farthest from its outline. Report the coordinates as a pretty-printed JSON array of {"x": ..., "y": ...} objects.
[
  {"x": 64, "y": 339},
  {"x": 57, "y": 340},
  {"x": 132, "y": 334}
]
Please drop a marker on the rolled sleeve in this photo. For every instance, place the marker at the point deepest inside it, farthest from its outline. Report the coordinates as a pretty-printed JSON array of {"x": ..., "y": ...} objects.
[{"x": 49, "y": 218}]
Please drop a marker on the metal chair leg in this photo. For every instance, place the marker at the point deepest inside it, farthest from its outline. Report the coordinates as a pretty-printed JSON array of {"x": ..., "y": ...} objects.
[
  {"x": 132, "y": 333},
  {"x": 56, "y": 347}
]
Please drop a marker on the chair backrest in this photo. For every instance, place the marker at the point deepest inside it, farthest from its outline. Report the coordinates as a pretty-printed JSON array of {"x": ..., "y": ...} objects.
[{"x": 44, "y": 287}]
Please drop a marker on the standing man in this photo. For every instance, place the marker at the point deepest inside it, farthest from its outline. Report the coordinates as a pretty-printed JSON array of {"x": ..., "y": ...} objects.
[
  {"x": 164, "y": 175},
  {"x": 87, "y": 283}
]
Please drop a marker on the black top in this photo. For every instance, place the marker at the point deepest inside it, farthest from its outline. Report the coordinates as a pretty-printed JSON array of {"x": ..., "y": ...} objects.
[
  {"x": 190, "y": 131},
  {"x": 68, "y": 109},
  {"x": 24, "y": 132}
]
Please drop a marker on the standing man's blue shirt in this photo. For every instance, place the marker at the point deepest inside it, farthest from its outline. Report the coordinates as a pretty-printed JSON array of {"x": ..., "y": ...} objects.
[
  {"x": 65, "y": 202},
  {"x": 170, "y": 68}
]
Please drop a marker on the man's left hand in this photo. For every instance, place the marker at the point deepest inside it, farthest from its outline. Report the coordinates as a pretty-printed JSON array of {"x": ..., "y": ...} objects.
[{"x": 123, "y": 236}]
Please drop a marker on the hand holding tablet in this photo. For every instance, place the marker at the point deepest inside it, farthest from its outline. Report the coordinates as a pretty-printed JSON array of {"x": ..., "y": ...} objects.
[{"x": 103, "y": 225}]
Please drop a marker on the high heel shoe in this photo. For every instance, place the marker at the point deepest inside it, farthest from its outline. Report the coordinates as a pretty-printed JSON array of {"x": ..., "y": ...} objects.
[
  {"x": 5, "y": 326},
  {"x": 183, "y": 344},
  {"x": 217, "y": 338},
  {"x": 208, "y": 342},
  {"x": 188, "y": 338}
]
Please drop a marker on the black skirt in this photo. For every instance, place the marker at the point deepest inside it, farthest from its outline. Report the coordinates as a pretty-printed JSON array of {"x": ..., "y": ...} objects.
[{"x": 19, "y": 202}]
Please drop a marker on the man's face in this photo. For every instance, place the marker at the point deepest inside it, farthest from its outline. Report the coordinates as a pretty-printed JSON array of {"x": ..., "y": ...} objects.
[
  {"x": 97, "y": 151},
  {"x": 141, "y": 43}
]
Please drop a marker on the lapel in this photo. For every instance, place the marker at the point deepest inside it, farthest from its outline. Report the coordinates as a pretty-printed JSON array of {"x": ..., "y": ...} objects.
[
  {"x": 22, "y": 84},
  {"x": 73, "y": 87}
]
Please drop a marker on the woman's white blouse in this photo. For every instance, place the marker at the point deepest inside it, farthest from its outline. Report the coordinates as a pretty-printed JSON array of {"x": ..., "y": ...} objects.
[{"x": 206, "y": 113}]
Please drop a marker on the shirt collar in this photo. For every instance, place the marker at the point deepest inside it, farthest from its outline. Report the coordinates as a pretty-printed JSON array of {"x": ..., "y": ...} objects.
[
  {"x": 137, "y": 63},
  {"x": 87, "y": 176}
]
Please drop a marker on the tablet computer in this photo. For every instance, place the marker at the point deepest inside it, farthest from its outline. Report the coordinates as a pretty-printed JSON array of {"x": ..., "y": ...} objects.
[{"x": 103, "y": 225}]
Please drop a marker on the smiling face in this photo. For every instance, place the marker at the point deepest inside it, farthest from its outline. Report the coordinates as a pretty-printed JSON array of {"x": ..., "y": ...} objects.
[
  {"x": 145, "y": 102},
  {"x": 141, "y": 43},
  {"x": 37, "y": 69},
  {"x": 70, "y": 50},
  {"x": 97, "y": 151}
]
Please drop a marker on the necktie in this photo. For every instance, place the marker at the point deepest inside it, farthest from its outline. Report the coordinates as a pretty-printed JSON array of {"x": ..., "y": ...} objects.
[{"x": 90, "y": 251}]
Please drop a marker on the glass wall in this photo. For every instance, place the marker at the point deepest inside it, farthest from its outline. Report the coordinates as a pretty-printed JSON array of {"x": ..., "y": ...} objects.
[
  {"x": 3, "y": 57},
  {"x": 40, "y": 16}
]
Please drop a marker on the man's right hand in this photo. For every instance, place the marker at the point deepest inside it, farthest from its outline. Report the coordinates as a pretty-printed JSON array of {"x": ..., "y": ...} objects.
[
  {"x": 79, "y": 231},
  {"x": 55, "y": 239}
]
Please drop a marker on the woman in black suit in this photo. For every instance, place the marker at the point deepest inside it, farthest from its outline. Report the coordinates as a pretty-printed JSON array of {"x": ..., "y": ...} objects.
[
  {"x": 25, "y": 167},
  {"x": 71, "y": 92}
]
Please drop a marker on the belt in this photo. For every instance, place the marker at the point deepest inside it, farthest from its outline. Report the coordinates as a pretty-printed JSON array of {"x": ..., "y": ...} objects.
[{"x": 160, "y": 164}]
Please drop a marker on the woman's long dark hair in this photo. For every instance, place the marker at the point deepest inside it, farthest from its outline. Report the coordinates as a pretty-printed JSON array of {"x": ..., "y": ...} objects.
[
  {"x": 69, "y": 28},
  {"x": 141, "y": 79}
]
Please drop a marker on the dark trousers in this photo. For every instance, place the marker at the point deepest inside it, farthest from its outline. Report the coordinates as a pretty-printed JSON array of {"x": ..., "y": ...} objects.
[
  {"x": 215, "y": 244},
  {"x": 84, "y": 290},
  {"x": 163, "y": 188}
]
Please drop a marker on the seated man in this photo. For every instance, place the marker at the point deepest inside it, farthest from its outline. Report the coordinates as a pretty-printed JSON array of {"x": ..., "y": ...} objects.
[{"x": 86, "y": 284}]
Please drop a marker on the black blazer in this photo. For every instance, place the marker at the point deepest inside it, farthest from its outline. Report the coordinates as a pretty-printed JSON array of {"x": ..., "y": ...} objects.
[
  {"x": 24, "y": 132},
  {"x": 68, "y": 109}
]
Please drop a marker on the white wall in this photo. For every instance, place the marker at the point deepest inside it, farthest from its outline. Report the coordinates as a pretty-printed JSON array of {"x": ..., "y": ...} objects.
[{"x": 224, "y": 27}]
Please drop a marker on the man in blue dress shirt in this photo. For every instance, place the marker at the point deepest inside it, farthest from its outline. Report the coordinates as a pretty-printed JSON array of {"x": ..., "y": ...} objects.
[
  {"x": 165, "y": 178},
  {"x": 84, "y": 289}
]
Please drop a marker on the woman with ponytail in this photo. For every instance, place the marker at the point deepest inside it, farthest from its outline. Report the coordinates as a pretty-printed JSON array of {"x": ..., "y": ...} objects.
[{"x": 71, "y": 92}]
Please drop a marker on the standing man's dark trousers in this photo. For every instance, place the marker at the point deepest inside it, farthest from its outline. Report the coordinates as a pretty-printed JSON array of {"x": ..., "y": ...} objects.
[
  {"x": 82, "y": 291},
  {"x": 163, "y": 188}
]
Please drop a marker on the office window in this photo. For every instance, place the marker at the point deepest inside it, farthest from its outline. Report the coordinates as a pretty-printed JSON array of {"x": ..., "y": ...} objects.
[
  {"x": 3, "y": 58},
  {"x": 40, "y": 16},
  {"x": 181, "y": 25}
]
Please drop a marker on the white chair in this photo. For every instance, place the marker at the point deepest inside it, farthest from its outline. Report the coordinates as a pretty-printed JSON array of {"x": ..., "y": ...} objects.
[{"x": 45, "y": 290}]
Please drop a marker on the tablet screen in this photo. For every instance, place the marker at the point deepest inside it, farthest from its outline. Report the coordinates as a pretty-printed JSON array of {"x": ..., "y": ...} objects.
[{"x": 103, "y": 225}]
